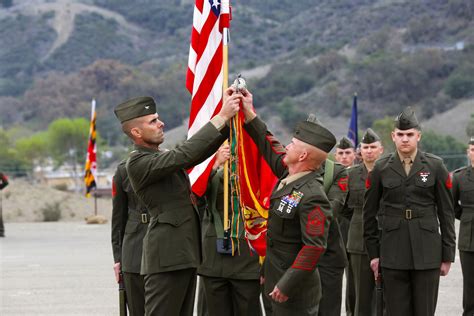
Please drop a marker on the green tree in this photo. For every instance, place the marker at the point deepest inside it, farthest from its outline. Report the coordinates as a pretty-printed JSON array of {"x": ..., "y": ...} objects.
[
  {"x": 447, "y": 147},
  {"x": 68, "y": 140},
  {"x": 10, "y": 161},
  {"x": 35, "y": 149},
  {"x": 384, "y": 128}
]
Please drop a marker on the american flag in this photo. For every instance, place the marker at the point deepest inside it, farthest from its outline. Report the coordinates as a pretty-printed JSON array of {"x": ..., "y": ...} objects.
[
  {"x": 204, "y": 78},
  {"x": 90, "y": 175}
]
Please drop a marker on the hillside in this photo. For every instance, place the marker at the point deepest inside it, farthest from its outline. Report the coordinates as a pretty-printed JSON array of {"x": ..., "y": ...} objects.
[{"x": 299, "y": 57}]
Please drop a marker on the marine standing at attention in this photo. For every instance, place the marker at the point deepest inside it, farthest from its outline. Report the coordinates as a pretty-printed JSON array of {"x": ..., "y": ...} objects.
[{"x": 412, "y": 191}]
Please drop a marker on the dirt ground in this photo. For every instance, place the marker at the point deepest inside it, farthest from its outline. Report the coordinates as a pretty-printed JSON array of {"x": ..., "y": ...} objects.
[{"x": 26, "y": 202}]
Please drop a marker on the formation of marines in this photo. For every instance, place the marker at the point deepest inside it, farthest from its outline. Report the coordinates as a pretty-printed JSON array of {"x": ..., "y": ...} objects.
[{"x": 390, "y": 216}]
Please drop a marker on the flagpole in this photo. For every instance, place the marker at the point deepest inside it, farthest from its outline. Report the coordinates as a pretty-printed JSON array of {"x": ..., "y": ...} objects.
[{"x": 225, "y": 9}]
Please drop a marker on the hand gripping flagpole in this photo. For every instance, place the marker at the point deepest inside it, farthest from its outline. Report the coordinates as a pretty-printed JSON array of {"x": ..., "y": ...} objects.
[{"x": 225, "y": 23}]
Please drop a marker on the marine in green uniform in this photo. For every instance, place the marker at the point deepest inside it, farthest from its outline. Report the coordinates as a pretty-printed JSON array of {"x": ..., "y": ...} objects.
[
  {"x": 3, "y": 184},
  {"x": 463, "y": 195},
  {"x": 299, "y": 213},
  {"x": 345, "y": 152},
  {"x": 171, "y": 246},
  {"x": 231, "y": 282},
  {"x": 333, "y": 261},
  {"x": 346, "y": 155},
  {"x": 413, "y": 189},
  {"x": 363, "y": 277},
  {"x": 129, "y": 224}
]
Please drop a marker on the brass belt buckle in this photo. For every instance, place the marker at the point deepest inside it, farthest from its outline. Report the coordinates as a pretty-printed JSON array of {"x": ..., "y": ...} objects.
[
  {"x": 144, "y": 218},
  {"x": 408, "y": 214}
]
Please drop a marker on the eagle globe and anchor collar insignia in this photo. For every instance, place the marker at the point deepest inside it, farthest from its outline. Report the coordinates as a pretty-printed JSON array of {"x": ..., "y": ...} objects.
[{"x": 288, "y": 203}]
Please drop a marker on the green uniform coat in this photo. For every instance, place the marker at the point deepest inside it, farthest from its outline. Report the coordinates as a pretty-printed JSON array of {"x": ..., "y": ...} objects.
[
  {"x": 159, "y": 179},
  {"x": 242, "y": 266},
  {"x": 414, "y": 209},
  {"x": 363, "y": 277},
  {"x": 298, "y": 224},
  {"x": 410, "y": 243},
  {"x": 129, "y": 225},
  {"x": 332, "y": 263},
  {"x": 463, "y": 196},
  {"x": 231, "y": 283},
  {"x": 128, "y": 229}
]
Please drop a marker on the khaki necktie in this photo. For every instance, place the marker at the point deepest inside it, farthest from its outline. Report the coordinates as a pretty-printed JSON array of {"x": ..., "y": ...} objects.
[{"x": 407, "y": 165}]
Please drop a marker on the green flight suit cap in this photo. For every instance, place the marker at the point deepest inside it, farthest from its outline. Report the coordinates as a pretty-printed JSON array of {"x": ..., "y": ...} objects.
[
  {"x": 345, "y": 143},
  {"x": 314, "y": 133},
  {"x": 407, "y": 120},
  {"x": 370, "y": 137},
  {"x": 471, "y": 141},
  {"x": 134, "y": 108}
]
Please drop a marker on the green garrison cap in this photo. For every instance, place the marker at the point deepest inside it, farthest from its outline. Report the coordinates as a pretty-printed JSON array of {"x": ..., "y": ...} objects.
[
  {"x": 471, "y": 141},
  {"x": 345, "y": 143},
  {"x": 407, "y": 119},
  {"x": 134, "y": 108},
  {"x": 370, "y": 137},
  {"x": 314, "y": 133}
]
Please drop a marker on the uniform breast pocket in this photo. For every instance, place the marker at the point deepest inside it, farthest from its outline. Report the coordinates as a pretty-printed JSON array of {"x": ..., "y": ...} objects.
[
  {"x": 424, "y": 179},
  {"x": 284, "y": 208},
  {"x": 392, "y": 187}
]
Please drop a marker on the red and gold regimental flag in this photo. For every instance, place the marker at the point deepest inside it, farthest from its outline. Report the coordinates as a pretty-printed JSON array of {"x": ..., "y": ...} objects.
[{"x": 90, "y": 175}]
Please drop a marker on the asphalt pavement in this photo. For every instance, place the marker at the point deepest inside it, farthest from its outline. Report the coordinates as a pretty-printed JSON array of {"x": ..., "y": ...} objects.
[{"x": 62, "y": 268}]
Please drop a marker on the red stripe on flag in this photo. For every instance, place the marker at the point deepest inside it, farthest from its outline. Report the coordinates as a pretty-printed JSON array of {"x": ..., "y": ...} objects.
[
  {"x": 189, "y": 80},
  {"x": 206, "y": 31},
  {"x": 200, "y": 97},
  {"x": 199, "y": 5},
  {"x": 200, "y": 186}
]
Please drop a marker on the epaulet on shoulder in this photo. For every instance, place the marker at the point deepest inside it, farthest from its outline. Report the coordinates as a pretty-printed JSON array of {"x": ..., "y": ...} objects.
[
  {"x": 123, "y": 162},
  {"x": 384, "y": 157},
  {"x": 316, "y": 184},
  {"x": 338, "y": 166},
  {"x": 459, "y": 169},
  {"x": 430, "y": 155}
]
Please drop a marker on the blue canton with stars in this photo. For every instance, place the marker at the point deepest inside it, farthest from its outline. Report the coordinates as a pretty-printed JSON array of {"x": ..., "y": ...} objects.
[{"x": 215, "y": 6}]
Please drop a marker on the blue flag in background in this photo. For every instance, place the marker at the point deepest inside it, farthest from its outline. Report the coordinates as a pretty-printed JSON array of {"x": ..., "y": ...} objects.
[{"x": 353, "y": 130}]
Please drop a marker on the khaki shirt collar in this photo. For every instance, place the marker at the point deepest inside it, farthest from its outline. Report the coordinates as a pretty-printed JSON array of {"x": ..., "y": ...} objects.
[
  {"x": 412, "y": 156},
  {"x": 295, "y": 177}
]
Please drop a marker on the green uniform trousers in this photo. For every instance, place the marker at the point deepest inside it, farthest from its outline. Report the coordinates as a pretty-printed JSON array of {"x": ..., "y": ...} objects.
[
  {"x": 410, "y": 292},
  {"x": 364, "y": 285},
  {"x": 278, "y": 310},
  {"x": 135, "y": 290},
  {"x": 232, "y": 297},
  {"x": 267, "y": 303},
  {"x": 331, "y": 286},
  {"x": 467, "y": 266},
  {"x": 350, "y": 289},
  {"x": 170, "y": 293}
]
